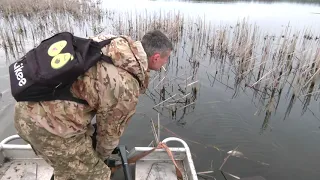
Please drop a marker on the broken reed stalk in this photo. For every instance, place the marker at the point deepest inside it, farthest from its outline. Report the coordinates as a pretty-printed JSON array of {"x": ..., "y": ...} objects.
[
  {"x": 205, "y": 176},
  {"x": 264, "y": 76},
  {"x": 173, "y": 104},
  {"x": 159, "y": 139},
  {"x": 151, "y": 144},
  {"x": 183, "y": 96},
  {"x": 311, "y": 78},
  {"x": 192, "y": 83},
  {"x": 226, "y": 159},
  {"x": 154, "y": 78},
  {"x": 186, "y": 105},
  {"x": 153, "y": 128},
  {"x": 234, "y": 176},
  {"x": 205, "y": 172},
  {"x": 165, "y": 100},
  {"x": 159, "y": 82}
]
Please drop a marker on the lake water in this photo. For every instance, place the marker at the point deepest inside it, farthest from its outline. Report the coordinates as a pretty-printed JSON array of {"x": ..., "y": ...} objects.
[{"x": 210, "y": 108}]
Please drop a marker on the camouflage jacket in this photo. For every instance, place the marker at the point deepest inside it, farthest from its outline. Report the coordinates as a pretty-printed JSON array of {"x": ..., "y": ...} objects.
[{"x": 110, "y": 90}]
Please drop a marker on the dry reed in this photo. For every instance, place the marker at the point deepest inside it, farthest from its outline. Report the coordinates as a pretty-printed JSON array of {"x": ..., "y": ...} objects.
[
  {"x": 29, "y": 8},
  {"x": 241, "y": 57}
]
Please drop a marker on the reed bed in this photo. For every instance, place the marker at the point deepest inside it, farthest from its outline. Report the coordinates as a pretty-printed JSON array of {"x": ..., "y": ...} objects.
[
  {"x": 29, "y": 8},
  {"x": 26, "y": 23},
  {"x": 238, "y": 56}
]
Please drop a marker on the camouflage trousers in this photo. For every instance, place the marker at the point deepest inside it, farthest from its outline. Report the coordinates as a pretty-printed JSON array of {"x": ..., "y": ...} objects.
[{"x": 71, "y": 158}]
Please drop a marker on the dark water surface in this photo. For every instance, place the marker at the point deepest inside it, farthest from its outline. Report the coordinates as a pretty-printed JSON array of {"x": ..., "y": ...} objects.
[{"x": 213, "y": 107}]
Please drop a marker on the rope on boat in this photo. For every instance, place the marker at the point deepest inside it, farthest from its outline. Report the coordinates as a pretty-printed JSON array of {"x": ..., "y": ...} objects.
[{"x": 161, "y": 145}]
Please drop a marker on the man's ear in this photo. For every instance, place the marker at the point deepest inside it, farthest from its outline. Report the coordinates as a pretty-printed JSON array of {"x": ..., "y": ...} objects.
[{"x": 156, "y": 57}]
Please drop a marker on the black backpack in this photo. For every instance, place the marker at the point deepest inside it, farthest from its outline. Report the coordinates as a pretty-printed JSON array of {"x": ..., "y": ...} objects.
[{"x": 47, "y": 72}]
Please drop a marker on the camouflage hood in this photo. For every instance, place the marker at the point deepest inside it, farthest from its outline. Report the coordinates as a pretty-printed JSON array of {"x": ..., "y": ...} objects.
[{"x": 128, "y": 55}]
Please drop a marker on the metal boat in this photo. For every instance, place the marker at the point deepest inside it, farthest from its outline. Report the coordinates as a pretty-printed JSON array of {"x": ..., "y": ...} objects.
[{"x": 19, "y": 162}]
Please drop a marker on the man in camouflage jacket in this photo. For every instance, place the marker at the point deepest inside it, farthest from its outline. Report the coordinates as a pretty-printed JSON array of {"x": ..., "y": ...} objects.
[{"x": 60, "y": 131}]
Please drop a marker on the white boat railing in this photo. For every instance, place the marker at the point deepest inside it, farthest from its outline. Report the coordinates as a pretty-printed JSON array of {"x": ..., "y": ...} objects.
[
  {"x": 192, "y": 169},
  {"x": 15, "y": 151},
  {"x": 5, "y": 146}
]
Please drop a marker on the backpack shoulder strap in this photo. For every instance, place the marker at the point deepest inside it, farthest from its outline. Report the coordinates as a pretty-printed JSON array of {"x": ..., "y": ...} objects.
[{"x": 106, "y": 42}]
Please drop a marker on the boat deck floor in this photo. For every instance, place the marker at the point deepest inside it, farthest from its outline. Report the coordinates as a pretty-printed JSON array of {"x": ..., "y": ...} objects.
[
  {"x": 32, "y": 169},
  {"x": 38, "y": 169},
  {"x": 158, "y": 170}
]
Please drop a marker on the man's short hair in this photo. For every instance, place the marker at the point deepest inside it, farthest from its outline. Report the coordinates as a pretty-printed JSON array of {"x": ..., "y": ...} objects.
[{"x": 155, "y": 41}]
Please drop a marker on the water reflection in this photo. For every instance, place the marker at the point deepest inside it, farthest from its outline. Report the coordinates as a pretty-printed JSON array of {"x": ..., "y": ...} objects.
[
  {"x": 244, "y": 60},
  {"x": 239, "y": 57}
]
